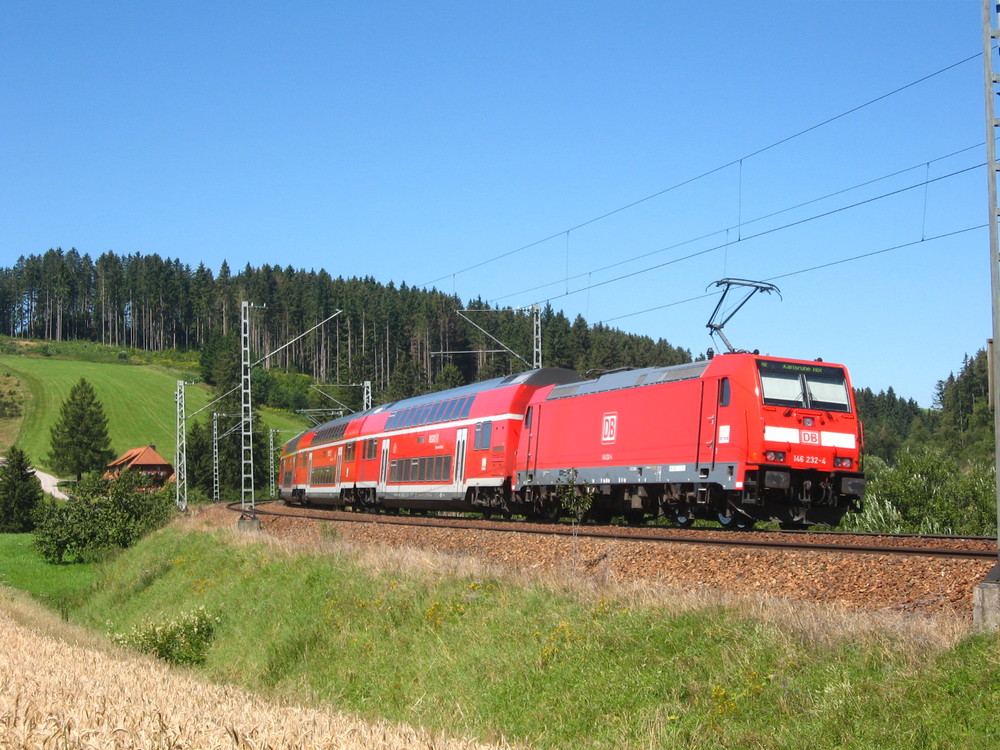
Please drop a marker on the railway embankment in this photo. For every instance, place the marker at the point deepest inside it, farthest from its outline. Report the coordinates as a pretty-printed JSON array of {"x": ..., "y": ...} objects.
[{"x": 876, "y": 582}]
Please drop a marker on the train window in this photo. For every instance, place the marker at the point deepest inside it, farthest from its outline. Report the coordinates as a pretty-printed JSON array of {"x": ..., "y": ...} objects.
[
  {"x": 804, "y": 385},
  {"x": 349, "y": 452},
  {"x": 527, "y": 418},
  {"x": 479, "y": 436},
  {"x": 465, "y": 408},
  {"x": 439, "y": 468},
  {"x": 486, "y": 435},
  {"x": 782, "y": 389},
  {"x": 828, "y": 393},
  {"x": 436, "y": 411},
  {"x": 446, "y": 476},
  {"x": 724, "y": 392}
]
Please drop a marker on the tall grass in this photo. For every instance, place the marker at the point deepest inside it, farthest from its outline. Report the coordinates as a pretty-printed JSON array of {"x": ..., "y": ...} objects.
[{"x": 448, "y": 644}]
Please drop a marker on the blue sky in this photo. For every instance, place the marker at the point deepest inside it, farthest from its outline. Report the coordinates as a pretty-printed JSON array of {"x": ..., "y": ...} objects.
[{"x": 411, "y": 141}]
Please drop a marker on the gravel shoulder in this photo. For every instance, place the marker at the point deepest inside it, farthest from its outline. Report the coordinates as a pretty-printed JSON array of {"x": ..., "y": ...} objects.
[{"x": 863, "y": 582}]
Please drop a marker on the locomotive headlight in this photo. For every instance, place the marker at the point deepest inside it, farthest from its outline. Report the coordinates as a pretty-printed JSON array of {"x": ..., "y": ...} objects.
[
  {"x": 778, "y": 456},
  {"x": 842, "y": 463}
]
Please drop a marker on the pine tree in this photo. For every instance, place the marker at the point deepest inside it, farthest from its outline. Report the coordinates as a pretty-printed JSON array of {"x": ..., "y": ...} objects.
[
  {"x": 80, "y": 441},
  {"x": 20, "y": 493}
]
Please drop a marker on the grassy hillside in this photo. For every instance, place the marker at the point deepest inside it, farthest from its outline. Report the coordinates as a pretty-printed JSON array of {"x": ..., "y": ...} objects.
[
  {"x": 442, "y": 644},
  {"x": 138, "y": 401}
]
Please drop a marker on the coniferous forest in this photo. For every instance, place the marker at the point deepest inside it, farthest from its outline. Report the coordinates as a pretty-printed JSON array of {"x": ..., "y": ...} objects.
[
  {"x": 399, "y": 338},
  {"x": 403, "y": 339}
]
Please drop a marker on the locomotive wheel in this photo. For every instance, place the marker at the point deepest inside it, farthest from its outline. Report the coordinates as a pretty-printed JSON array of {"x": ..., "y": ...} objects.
[
  {"x": 682, "y": 517},
  {"x": 735, "y": 521}
]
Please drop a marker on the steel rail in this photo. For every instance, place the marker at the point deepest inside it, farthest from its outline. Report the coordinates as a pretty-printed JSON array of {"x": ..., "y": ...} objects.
[{"x": 731, "y": 539}]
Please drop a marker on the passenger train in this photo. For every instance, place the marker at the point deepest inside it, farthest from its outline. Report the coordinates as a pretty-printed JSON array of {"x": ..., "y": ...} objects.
[{"x": 736, "y": 438}]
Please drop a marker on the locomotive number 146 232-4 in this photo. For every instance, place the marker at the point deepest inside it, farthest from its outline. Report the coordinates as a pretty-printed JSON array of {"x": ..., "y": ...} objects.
[{"x": 809, "y": 460}]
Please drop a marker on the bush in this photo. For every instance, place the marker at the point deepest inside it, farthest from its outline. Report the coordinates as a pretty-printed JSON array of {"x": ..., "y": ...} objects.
[
  {"x": 182, "y": 640},
  {"x": 100, "y": 517},
  {"x": 929, "y": 493}
]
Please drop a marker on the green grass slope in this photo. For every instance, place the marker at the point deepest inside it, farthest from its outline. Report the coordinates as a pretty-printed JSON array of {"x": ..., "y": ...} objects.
[
  {"x": 138, "y": 402},
  {"x": 483, "y": 657}
]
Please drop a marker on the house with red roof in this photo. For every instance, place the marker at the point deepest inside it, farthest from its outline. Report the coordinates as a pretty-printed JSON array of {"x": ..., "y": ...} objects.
[{"x": 144, "y": 461}]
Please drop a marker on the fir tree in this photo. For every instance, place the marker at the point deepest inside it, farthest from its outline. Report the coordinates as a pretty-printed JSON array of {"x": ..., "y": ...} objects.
[
  {"x": 20, "y": 493},
  {"x": 80, "y": 441}
]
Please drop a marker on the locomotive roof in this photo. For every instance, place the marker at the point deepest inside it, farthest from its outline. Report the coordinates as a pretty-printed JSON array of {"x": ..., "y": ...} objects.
[{"x": 615, "y": 381}]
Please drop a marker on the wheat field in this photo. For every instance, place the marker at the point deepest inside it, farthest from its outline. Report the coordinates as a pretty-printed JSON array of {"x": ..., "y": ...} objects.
[{"x": 64, "y": 689}]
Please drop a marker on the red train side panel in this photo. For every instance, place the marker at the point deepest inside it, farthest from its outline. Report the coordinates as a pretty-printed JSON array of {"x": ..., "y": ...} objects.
[{"x": 737, "y": 437}]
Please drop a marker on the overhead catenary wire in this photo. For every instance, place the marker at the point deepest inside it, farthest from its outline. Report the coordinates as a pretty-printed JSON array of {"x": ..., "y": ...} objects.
[
  {"x": 706, "y": 173},
  {"x": 762, "y": 233},
  {"x": 748, "y": 222},
  {"x": 818, "y": 267}
]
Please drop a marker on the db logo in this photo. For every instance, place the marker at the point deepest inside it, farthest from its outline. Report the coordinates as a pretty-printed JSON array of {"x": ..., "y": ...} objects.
[
  {"x": 609, "y": 427},
  {"x": 809, "y": 438}
]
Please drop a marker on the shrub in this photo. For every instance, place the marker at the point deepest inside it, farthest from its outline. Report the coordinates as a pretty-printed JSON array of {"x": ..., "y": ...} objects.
[
  {"x": 930, "y": 493},
  {"x": 182, "y": 640},
  {"x": 100, "y": 517}
]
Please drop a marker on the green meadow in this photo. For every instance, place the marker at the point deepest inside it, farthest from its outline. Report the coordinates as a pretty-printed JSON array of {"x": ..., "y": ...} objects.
[{"x": 139, "y": 401}]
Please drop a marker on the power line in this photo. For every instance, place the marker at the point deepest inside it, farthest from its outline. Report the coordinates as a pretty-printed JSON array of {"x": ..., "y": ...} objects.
[
  {"x": 803, "y": 270},
  {"x": 762, "y": 233},
  {"x": 707, "y": 173},
  {"x": 743, "y": 224}
]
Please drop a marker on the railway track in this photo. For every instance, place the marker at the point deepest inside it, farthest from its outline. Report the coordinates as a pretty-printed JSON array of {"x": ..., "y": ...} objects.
[{"x": 976, "y": 548}]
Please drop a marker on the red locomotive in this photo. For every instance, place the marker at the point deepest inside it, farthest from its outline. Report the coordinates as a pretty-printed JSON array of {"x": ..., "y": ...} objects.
[{"x": 737, "y": 438}]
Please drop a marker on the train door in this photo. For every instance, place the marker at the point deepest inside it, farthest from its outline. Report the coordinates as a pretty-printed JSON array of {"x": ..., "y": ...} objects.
[
  {"x": 460, "y": 445},
  {"x": 708, "y": 425},
  {"x": 383, "y": 470},
  {"x": 340, "y": 462},
  {"x": 531, "y": 422}
]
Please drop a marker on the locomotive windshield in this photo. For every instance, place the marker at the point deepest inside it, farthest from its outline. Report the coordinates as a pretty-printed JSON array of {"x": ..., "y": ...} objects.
[{"x": 804, "y": 386}]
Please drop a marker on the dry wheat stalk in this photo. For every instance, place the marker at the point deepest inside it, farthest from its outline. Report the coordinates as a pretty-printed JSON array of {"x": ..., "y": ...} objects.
[{"x": 55, "y": 694}]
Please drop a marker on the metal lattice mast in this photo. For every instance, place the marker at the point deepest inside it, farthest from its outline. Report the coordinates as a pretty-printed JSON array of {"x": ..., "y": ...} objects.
[
  {"x": 215, "y": 456},
  {"x": 270, "y": 471},
  {"x": 366, "y": 401},
  {"x": 246, "y": 411},
  {"x": 180, "y": 453},
  {"x": 536, "y": 314},
  {"x": 991, "y": 32}
]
